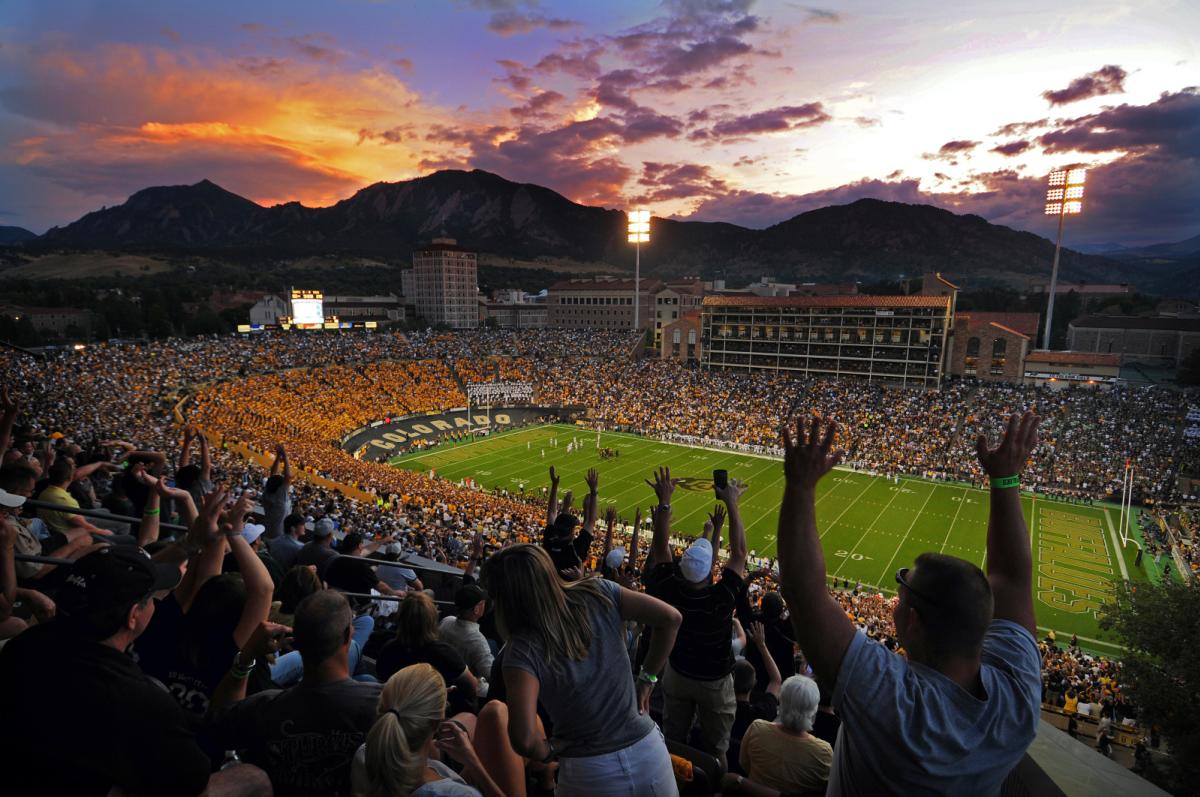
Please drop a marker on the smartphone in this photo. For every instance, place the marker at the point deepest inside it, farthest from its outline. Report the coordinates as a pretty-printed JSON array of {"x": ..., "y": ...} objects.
[{"x": 720, "y": 479}]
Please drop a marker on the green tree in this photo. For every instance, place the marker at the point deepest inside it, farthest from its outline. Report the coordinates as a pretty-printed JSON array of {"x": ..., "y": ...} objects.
[
  {"x": 1189, "y": 369},
  {"x": 1159, "y": 626}
]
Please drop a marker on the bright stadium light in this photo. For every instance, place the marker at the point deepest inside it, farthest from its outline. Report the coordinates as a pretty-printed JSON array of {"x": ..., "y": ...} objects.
[
  {"x": 639, "y": 233},
  {"x": 1064, "y": 198}
]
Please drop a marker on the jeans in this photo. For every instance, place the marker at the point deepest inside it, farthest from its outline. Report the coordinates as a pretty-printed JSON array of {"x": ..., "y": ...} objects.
[
  {"x": 643, "y": 769},
  {"x": 288, "y": 669}
]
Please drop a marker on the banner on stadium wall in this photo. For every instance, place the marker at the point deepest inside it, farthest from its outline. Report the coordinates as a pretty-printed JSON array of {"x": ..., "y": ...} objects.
[{"x": 394, "y": 437}]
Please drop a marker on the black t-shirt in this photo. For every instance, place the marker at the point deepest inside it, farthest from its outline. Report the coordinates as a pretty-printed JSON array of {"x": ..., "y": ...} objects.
[
  {"x": 351, "y": 575},
  {"x": 760, "y": 706},
  {"x": 437, "y": 654},
  {"x": 80, "y": 718},
  {"x": 702, "y": 648},
  {"x": 825, "y": 726},
  {"x": 567, "y": 552},
  {"x": 160, "y": 654},
  {"x": 781, "y": 646},
  {"x": 305, "y": 737}
]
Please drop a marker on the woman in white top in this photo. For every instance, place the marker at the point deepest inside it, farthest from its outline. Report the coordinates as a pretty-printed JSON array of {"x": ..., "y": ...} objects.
[{"x": 401, "y": 755}]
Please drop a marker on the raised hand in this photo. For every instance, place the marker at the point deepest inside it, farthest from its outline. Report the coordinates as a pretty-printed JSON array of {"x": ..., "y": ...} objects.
[
  {"x": 808, "y": 453},
  {"x": 758, "y": 634},
  {"x": 593, "y": 480},
  {"x": 206, "y": 526},
  {"x": 717, "y": 517},
  {"x": 730, "y": 492},
  {"x": 565, "y": 506},
  {"x": 266, "y": 641},
  {"x": 610, "y": 516},
  {"x": 9, "y": 403},
  {"x": 663, "y": 485},
  {"x": 1009, "y": 458},
  {"x": 553, "y": 476}
]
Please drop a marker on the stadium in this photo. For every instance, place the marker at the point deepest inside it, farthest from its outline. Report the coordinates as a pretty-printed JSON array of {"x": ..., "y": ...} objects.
[
  {"x": 541, "y": 398},
  {"x": 439, "y": 450}
]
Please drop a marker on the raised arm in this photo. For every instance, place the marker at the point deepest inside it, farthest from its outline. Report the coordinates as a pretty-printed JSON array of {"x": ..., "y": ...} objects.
[
  {"x": 185, "y": 451},
  {"x": 665, "y": 620},
  {"x": 282, "y": 461},
  {"x": 552, "y": 503},
  {"x": 737, "y": 531},
  {"x": 205, "y": 457},
  {"x": 716, "y": 520},
  {"x": 254, "y": 573},
  {"x": 610, "y": 523},
  {"x": 774, "y": 679},
  {"x": 1009, "y": 561},
  {"x": 9, "y": 407},
  {"x": 591, "y": 503},
  {"x": 822, "y": 628},
  {"x": 204, "y": 538},
  {"x": 663, "y": 486},
  {"x": 636, "y": 543}
]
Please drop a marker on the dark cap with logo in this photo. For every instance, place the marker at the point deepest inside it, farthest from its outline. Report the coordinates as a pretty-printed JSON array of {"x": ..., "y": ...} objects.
[
  {"x": 111, "y": 578},
  {"x": 468, "y": 595}
]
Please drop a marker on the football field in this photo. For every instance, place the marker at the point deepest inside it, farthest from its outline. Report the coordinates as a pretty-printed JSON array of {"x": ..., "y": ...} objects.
[{"x": 870, "y": 526}]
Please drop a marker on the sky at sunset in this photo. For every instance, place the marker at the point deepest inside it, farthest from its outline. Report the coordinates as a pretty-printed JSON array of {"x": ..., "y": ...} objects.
[{"x": 717, "y": 110}]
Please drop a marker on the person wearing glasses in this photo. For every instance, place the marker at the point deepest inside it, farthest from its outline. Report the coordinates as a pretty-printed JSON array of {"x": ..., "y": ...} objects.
[{"x": 957, "y": 714}]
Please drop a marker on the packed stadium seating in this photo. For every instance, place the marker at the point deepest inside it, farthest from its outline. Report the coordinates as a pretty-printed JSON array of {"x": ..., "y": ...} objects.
[{"x": 118, "y": 412}]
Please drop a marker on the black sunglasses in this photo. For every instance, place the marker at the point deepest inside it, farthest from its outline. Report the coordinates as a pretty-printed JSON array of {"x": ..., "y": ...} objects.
[{"x": 902, "y": 578}]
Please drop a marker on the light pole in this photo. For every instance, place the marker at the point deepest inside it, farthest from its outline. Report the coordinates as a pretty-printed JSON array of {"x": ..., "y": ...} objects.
[
  {"x": 639, "y": 233},
  {"x": 1064, "y": 197}
]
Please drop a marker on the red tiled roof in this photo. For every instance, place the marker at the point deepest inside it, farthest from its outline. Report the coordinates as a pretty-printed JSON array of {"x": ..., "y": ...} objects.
[
  {"x": 1010, "y": 330},
  {"x": 604, "y": 286},
  {"x": 1025, "y": 323},
  {"x": 1073, "y": 358},
  {"x": 857, "y": 300}
]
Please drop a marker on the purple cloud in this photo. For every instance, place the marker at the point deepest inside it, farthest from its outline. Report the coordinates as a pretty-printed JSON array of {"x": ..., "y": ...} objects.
[
  {"x": 773, "y": 120},
  {"x": 1105, "y": 80},
  {"x": 1012, "y": 148}
]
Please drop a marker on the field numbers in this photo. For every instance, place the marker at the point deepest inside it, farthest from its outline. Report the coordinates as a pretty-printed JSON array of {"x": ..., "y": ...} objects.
[
  {"x": 964, "y": 500},
  {"x": 896, "y": 489},
  {"x": 856, "y": 557}
]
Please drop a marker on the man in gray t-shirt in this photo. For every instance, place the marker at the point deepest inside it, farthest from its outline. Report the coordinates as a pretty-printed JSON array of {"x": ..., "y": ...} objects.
[{"x": 958, "y": 713}]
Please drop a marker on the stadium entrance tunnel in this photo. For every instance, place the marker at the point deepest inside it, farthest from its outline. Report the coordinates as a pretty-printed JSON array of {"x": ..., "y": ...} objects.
[{"x": 387, "y": 438}]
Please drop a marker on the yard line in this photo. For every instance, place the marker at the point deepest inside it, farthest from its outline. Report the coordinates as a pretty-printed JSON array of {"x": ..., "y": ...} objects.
[
  {"x": 850, "y": 553},
  {"x": 950, "y": 530},
  {"x": 911, "y": 526},
  {"x": 774, "y": 542},
  {"x": 852, "y": 503}
]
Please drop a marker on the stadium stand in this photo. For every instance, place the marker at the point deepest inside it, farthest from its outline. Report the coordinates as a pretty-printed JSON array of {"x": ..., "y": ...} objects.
[{"x": 191, "y": 660}]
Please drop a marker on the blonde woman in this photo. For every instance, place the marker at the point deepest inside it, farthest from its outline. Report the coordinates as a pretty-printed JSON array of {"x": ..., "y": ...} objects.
[
  {"x": 566, "y": 650},
  {"x": 401, "y": 755}
]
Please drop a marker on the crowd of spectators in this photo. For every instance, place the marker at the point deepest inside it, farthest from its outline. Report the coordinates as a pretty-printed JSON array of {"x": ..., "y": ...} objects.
[{"x": 243, "y": 653}]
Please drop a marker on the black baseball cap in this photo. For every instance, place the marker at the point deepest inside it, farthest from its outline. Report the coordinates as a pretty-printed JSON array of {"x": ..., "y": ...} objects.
[
  {"x": 468, "y": 595},
  {"x": 111, "y": 578}
]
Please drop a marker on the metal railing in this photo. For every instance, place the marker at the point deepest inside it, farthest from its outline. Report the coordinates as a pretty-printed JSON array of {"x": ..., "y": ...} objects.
[{"x": 442, "y": 570}]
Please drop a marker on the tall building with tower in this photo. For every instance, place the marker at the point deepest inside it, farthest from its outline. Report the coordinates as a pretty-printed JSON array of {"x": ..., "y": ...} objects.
[{"x": 445, "y": 284}]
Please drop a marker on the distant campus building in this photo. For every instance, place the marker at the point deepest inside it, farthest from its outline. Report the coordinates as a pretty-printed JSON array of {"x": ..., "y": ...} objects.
[{"x": 445, "y": 286}]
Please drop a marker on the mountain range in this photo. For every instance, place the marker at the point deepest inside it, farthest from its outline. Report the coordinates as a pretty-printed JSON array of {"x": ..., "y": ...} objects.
[{"x": 868, "y": 239}]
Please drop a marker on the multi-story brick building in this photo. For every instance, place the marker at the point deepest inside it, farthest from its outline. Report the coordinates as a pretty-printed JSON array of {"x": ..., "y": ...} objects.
[
  {"x": 992, "y": 346},
  {"x": 605, "y": 303},
  {"x": 897, "y": 339},
  {"x": 445, "y": 286}
]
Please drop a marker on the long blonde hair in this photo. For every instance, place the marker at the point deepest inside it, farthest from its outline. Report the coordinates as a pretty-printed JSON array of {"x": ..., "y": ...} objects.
[
  {"x": 411, "y": 705},
  {"x": 530, "y": 598}
]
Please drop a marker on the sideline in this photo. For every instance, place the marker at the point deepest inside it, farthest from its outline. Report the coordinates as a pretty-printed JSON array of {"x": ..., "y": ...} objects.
[{"x": 1120, "y": 552}]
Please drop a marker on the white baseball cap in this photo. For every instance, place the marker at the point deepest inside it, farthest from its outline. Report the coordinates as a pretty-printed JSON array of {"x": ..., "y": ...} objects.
[
  {"x": 11, "y": 500},
  {"x": 252, "y": 531},
  {"x": 696, "y": 564}
]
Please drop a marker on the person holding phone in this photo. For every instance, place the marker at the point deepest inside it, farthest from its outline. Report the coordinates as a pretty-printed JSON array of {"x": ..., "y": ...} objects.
[{"x": 698, "y": 681}]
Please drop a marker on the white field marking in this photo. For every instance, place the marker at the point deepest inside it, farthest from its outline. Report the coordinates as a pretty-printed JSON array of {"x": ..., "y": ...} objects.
[
  {"x": 954, "y": 520},
  {"x": 911, "y": 526},
  {"x": 895, "y": 495},
  {"x": 1119, "y": 553}
]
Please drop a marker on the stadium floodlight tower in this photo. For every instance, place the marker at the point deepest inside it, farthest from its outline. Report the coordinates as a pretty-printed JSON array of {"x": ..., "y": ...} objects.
[
  {"x": 639, "y": 233},
  {"x": 1064, "y": 197}
]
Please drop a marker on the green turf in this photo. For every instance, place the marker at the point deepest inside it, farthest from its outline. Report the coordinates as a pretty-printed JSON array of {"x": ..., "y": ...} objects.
[{"x": 869, "y": 526}]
